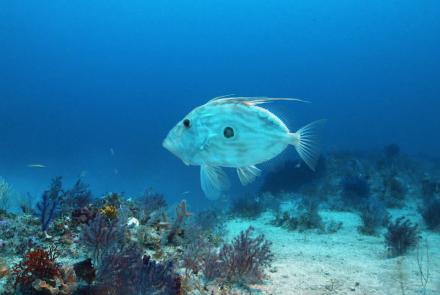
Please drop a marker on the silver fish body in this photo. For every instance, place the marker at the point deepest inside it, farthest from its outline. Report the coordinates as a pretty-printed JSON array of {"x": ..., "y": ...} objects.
[{"x": 235, "y": 133}]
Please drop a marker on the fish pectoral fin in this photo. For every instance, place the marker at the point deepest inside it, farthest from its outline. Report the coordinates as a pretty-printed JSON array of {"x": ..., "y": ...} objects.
[
  {"x": 214, "y": 181},
  {"x": 248, "y": 174}
]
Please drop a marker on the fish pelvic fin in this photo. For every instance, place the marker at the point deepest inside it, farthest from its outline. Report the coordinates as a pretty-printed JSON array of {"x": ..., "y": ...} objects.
[
  {"x": 248, "y": 174},
  {"x": 214, "y": 181},
  {"x": 306, "y": 142}
]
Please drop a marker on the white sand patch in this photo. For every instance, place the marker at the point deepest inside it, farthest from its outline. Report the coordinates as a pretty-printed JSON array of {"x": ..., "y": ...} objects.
[{"x": 345, "y": 262}]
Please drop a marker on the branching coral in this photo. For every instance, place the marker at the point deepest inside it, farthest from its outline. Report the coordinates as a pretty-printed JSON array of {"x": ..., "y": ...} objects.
[
  {"x": 100, "y": 235},
  {"x": 152, "y": 201},
  {"x": 125, "y": 271},
  {"x": 37, "y": 264},
  {"x": 49, "y": 203},
  {"x": 181, "y": 215},
  {"x": 401, "y": 236},
  {"x": 244, "y": 260},
  {"x": 119, "y": 269},
  {"x": 79, "y": 196}
]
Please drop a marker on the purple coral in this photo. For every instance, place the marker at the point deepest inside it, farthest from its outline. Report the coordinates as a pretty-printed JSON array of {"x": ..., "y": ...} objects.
[
  {"x": 100, "y": 235},
  {"x": 181, "y": 215},
  {"x": 244, "y": 260},
  {"x": 48, "y": 206},
  {"x": 79, "y": 196},
  {"x": 125, "y": 271}
]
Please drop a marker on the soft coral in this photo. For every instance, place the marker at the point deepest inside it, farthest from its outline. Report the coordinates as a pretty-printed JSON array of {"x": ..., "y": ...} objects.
[{"x": 37, "y": 264}]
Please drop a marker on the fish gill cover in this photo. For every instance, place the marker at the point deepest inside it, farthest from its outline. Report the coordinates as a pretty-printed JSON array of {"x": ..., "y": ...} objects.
[{"x": 92, "y": 203}]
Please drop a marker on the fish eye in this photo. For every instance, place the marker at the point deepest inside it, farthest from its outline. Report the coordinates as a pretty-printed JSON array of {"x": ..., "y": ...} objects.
[
  {"x": 228, "y": 132},
  {"x": 187, "y": 123}
]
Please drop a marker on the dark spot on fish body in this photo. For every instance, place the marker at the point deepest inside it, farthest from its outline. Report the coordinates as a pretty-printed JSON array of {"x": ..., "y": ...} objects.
[
  {"x": 228, "y": 132},
  {"x": 187, "y": 123}
]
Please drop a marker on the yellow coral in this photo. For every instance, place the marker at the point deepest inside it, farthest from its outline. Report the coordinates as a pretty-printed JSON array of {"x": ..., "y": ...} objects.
[{"x": 109, "y": 211}]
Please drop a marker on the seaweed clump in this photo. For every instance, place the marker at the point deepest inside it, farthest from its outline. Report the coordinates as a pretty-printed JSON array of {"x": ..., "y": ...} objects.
[
  {"x": 355, "y": 190},
  {"x": 431, "y": 214},
  {"x": 292, "y": 176},
  {"x": 248, "y": 207},
  {"x": 402, "y": 235},
  {"x": 374, "y": 215},
  {"x": 304, "y": 216}
]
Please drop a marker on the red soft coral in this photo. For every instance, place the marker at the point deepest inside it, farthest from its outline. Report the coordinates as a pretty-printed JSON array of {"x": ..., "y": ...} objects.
[{"x": 37, "y": 264}]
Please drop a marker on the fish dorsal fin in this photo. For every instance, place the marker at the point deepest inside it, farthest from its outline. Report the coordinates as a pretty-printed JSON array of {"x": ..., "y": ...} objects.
[
  {"x": 248, "y": 174},
  {"x": 214, "y": 181},
  {"x": 251, "y": 101}
]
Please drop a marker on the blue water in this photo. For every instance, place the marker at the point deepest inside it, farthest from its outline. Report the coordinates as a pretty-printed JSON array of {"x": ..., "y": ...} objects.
[{"x": 79, "y": 79}]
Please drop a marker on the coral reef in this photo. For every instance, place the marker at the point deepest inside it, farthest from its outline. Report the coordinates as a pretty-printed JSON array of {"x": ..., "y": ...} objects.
[
  {"x": 401, "y": 236},
  {"x": 117, "y": 244}
]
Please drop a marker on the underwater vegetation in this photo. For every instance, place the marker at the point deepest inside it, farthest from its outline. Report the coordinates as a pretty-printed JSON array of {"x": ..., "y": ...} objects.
[
  {"x": 431, "y": 214},
  {"x": 401, "y": 236},
  {"x": 291, "y": 176},
  {"x": 356, "y": 190},
  {"x": 247, "y": 206},
  {"x": 71, "y": 242},
  {"x": 5, "y": 191},
  {"x": 117, "y": 245},
  {"x": 304, "y": 215},
  {"x": 374, "y": 215}
]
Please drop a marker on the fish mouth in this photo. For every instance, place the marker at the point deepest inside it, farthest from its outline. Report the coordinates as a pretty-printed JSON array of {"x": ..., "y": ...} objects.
[{"x": 173, "y": 147}]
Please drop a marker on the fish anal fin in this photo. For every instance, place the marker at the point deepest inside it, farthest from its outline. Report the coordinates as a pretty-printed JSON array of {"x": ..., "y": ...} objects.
[
  {"x": 248, "y": 174},
  {"x": 214, "y": 181}
]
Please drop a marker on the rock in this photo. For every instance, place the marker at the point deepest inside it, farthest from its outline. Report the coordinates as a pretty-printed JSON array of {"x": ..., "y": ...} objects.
[
  {"x": 3, "y": 271},
  {"x": 85, "y": 270},
  {"x": 44, "y": 288},
  {"x": 133, "y": 222}
]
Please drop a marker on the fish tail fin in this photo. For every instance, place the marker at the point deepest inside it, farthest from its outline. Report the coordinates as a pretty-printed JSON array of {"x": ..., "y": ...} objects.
[{"x": 306, "y": 142}]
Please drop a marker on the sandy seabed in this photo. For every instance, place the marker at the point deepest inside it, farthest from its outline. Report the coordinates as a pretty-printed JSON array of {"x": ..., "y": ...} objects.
[{"x": 345, "y": 262}]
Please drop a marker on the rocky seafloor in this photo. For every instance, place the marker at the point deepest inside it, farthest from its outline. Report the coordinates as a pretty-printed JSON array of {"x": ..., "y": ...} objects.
[{"x": 363, "y": 223}]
